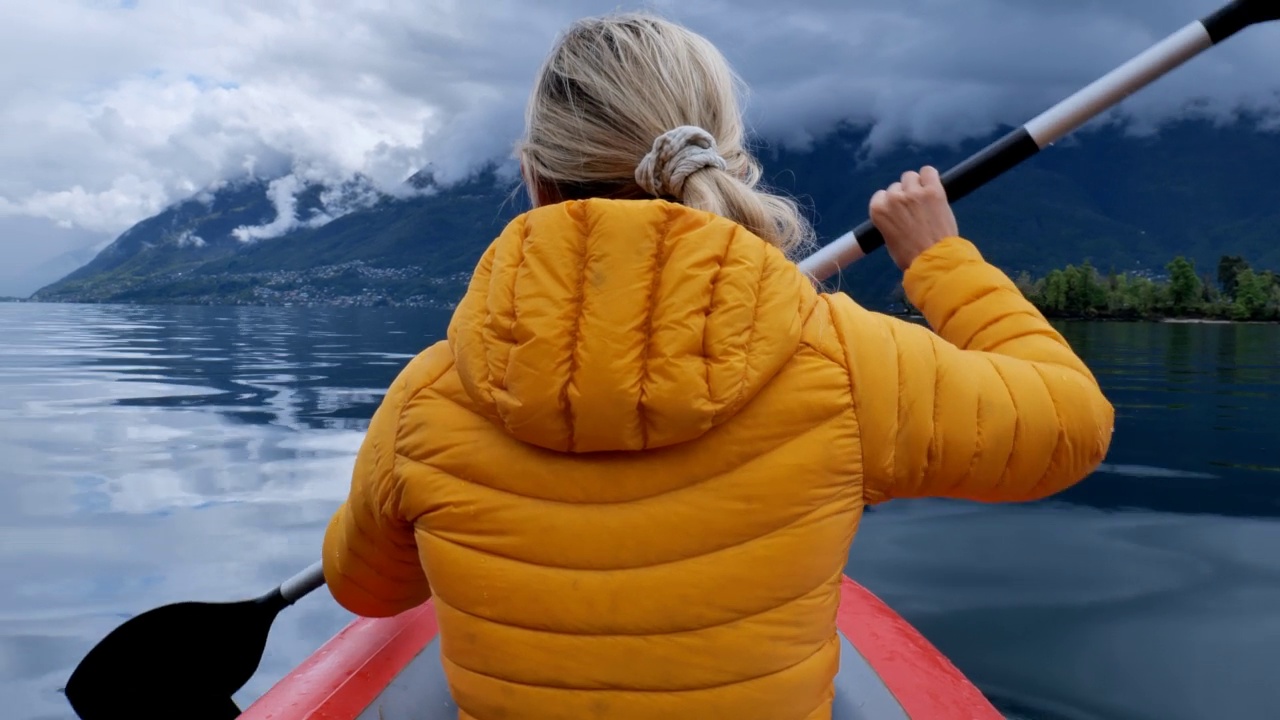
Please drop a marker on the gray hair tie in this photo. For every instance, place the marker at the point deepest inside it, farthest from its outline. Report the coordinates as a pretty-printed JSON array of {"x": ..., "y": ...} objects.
[{"x": 677, "y": 154}]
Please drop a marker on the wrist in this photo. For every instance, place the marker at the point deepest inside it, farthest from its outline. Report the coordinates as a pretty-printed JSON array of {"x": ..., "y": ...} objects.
[{"x": 934, "y": 264}]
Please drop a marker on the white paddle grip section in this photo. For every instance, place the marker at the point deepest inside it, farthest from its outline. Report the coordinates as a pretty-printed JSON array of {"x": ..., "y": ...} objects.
[
  {"x": 304, "y": 582},
  {"x": 1118, "y": 84},
  {"x": 828, "y": 260}
]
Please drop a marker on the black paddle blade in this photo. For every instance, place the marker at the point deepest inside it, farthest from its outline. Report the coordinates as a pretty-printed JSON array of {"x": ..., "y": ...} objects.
[{"x": 183, "y": 660}]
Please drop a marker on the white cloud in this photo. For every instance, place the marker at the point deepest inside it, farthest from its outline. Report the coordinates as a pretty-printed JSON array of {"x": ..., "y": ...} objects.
[
  {"x": 121, "y": 110},
  {"x": 282, "y": 192}
]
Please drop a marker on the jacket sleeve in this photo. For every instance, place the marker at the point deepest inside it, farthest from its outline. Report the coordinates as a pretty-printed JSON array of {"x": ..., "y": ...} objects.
[
  {"x": 994, "y": 407},
  {"x": 371, "y": 563}
]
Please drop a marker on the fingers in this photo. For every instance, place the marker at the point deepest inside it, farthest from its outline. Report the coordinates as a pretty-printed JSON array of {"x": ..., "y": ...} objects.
[
  {"x": 931, "y": 182},
  {"x": 915, "y": 184},
  {"x": 884, "y": 200},
  {"x": 913, "y": 215},
  {"x": 879, "y": 202},
  {"x": 911, "y": 181},
  {"x": 912, "y": 184}
]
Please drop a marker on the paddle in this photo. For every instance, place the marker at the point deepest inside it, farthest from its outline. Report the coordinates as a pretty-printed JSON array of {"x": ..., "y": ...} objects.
[
  {"x": 1059, "y": 120},
  {"x": 182, "y": 660}
]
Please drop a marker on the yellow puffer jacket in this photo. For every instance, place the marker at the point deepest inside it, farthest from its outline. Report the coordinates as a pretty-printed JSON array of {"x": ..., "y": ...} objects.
[{"x": 631, "y": 476}]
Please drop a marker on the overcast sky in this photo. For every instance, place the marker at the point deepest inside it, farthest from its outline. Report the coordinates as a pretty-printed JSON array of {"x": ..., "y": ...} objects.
[{"x": 113, "y": 109}]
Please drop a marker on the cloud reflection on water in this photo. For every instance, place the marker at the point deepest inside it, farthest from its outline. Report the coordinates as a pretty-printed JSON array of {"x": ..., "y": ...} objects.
[
  {"x": 137, "y": 476},
  {"x": 154, "y": 455}
]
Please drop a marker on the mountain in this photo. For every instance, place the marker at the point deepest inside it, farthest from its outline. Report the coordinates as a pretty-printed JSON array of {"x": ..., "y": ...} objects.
[
  {"x": 24, "y": 281},
  {"x": 1118, "y": 201}
]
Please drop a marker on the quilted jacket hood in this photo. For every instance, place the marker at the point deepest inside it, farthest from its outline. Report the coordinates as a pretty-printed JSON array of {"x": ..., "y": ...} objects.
[{"x": 607, "y": 325}]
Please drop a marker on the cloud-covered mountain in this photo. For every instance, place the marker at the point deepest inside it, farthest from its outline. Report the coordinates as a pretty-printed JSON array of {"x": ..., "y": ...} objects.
[
  {"x": 1106, "y": 196},
  {"x": 124, "y": 108}
]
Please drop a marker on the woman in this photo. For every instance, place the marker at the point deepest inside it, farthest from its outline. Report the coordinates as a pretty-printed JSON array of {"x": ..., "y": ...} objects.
[{"x": 631, "y": 475}]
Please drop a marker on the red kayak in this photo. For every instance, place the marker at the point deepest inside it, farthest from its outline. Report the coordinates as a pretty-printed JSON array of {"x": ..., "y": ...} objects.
[{"x": 389, "y": 669}]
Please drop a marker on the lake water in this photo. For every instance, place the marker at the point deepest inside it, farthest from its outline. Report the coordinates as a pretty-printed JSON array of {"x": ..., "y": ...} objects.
[{"x": 152, "y": 455}]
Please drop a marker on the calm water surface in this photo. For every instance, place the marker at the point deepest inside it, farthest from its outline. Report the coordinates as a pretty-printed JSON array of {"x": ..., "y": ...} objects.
[{"x": 152, "y": 455}]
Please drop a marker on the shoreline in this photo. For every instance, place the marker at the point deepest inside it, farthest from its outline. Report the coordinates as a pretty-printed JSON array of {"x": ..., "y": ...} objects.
[
  {"x": 348, "y": 302},
  {"x": 1169, "y": 320},
  {"x": 1165, "y": 320},
  {"x": 1210, "y": 321}
]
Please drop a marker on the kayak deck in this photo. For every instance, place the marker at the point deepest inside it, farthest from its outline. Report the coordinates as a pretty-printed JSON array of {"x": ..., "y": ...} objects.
[{"x": 390, "y": 669}]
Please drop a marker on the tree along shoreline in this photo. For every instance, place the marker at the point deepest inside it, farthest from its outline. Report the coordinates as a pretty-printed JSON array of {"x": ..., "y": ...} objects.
[{"x": 1237, "y": 294}]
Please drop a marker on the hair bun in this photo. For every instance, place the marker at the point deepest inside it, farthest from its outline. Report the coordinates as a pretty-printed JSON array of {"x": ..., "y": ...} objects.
[{"x": 677, "y": 154}]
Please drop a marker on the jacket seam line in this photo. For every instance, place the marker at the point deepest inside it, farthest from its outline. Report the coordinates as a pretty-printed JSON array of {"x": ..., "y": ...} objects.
[
  {"x": 706, "y": 323},
  {"x": 1057, "y": 438},
  {"x": 743, "y": 385},
  {"x": 422, "y": 388},
  {"x": 897, "y": 414},
  {"x": 1004, "y": 478},
  {"x": 648, "y": 633},
  {"x": 978, "y": 443},
  {"x": 789, "y": 524},
  {"x": 982, "y": 295},
  {"x": 396, "y": 437},
  {"x": 766, "y": 451},
  {"x": 658, "y": 264},
  {"x": 933, "y": 451},
  {"x": 664, "y": 691},
  {"x": 1048, "y": 334},
  {"x": 854, "y": 409},
  {"x": 582, "y": 220},
  {"x": 946, "y": 270},
  {"x": 510, "y": 341}
]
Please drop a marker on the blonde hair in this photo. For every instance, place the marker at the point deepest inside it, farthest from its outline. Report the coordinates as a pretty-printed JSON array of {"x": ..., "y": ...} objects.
[{"x": 616, "y": 92}]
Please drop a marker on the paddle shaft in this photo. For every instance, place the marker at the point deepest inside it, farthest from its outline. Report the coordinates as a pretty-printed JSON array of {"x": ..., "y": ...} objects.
[
  {"x": 293, "y": 589},
  {"x": 1061, "y": 119}
]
